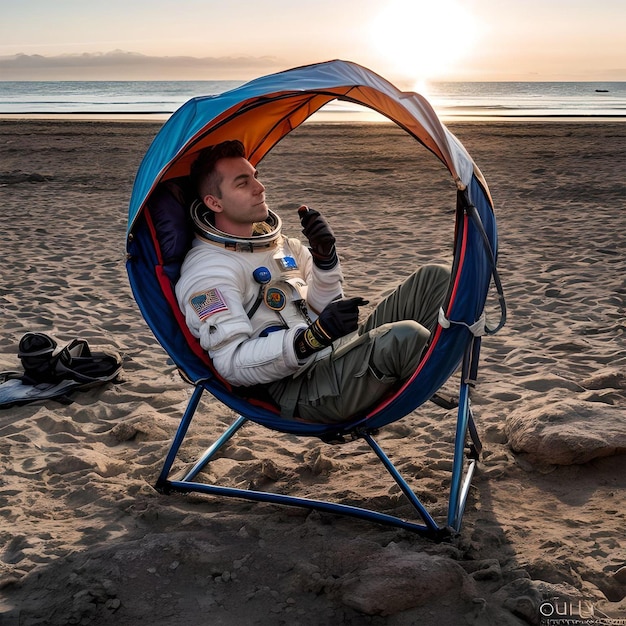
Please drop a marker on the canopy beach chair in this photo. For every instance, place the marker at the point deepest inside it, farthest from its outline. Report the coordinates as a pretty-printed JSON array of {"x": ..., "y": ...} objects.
[{"x": 260, "y": 113}]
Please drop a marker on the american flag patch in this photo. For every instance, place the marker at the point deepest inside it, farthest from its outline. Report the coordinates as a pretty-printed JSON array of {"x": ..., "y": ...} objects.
[{"x": 208, "y": 303}]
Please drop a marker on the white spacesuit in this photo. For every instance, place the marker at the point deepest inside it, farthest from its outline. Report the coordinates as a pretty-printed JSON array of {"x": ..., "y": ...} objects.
[
  {"x": 246, "y": 299},
  {"x": 254, "y": 304}
]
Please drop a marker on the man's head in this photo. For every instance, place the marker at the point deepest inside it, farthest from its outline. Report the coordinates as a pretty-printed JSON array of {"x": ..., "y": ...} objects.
[
  {"x": 227, "y": 184},
  {"x": 204, "y": 174}
]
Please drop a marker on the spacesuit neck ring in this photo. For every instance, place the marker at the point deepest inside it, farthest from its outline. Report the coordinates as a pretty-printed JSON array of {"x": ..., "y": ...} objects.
[{"x": 202, "y": 218}]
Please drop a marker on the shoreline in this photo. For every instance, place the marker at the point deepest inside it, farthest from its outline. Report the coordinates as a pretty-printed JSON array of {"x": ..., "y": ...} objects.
[{"x": 324, "y": 118}]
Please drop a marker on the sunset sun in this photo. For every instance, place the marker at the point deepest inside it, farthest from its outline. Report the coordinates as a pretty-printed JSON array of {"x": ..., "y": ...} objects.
[{"x": 421, "y": 39}]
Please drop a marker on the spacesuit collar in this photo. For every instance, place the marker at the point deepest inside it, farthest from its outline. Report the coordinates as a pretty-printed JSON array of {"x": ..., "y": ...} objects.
[{"x": 266, "y": 234}]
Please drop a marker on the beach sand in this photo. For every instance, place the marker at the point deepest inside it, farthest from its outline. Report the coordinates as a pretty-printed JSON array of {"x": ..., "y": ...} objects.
[{"x": 86, "y": 539}]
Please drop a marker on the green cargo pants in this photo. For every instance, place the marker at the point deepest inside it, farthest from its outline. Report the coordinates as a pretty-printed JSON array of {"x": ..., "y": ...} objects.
[{"x": 364, "y": 365}]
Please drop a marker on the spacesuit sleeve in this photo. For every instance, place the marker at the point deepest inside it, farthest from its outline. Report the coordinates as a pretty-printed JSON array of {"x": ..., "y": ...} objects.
[
  {"x": 323, "y": 286},
  {"x": 213, "y": 306}
]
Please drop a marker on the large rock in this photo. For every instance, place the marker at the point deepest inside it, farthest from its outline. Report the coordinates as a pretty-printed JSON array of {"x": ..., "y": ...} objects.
[
  {"x": 396, "y": 581},
  {"x": 567, "y": 432}
]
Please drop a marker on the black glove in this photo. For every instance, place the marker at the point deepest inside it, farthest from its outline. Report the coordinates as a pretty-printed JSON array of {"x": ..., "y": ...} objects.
[
  {"x": 339, "y": 318},
  {"x": 321, "y": 238}
]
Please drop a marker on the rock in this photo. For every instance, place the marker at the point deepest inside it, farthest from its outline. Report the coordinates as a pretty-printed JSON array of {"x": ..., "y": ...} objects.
[
  {"x": 567, "y": 432},
  {"x": 398, "y": 581}
]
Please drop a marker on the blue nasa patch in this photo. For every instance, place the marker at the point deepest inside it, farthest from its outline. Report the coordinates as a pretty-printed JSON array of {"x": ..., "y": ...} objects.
[{"x": 287, "y": 263}]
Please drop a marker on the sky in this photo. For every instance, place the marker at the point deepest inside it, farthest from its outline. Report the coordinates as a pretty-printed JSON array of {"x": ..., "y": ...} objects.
[{"x": 409, "y": 41}]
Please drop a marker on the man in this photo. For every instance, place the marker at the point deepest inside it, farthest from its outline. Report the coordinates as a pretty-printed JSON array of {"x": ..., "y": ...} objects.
[{"x": 270, "y": 311}]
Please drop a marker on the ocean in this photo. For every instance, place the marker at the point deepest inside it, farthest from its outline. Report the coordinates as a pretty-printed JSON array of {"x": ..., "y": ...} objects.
[{"x": 451, "y": 100}]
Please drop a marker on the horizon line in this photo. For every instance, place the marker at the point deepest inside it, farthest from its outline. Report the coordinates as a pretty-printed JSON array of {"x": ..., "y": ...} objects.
[{"x": 22, "y": 67}]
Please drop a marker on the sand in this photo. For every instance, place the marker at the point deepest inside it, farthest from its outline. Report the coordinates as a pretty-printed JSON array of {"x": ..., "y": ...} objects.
[{"x": 86, "y": 539}]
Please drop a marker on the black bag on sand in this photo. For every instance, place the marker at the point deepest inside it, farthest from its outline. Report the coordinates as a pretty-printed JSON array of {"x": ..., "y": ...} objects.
[
  {"x": 78, "y": 362},
  {"x": 53, "y": 372}
]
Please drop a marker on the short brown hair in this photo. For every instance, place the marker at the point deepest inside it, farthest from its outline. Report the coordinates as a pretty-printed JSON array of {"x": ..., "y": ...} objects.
[{"x": 204, "y": 176}]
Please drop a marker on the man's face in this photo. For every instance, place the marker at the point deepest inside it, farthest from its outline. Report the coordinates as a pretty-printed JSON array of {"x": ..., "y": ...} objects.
[{"x": 242, "y": 200}]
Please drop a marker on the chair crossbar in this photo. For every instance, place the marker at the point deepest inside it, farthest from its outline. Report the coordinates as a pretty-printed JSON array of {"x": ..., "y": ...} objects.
[{"x": 182, "y": 486}]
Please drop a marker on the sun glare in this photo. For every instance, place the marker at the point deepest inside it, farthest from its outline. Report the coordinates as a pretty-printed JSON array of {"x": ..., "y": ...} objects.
[{"x": 423, "y": 40}]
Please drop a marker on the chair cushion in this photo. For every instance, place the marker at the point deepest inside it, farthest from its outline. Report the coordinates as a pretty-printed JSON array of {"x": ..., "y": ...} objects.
[{"x": 168, "y": 206}]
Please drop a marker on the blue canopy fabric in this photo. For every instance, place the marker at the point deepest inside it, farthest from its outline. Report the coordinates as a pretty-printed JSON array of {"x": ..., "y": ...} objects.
[{"x": 260, "y": 113}]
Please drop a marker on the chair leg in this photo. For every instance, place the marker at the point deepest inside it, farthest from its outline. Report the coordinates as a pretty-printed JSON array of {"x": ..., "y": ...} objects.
[
  {"x": 161, "y": 483},
  {"x": 460, "y": 484},
  {"x": 213, "y": 449},
  {"x": 401, "y": 482}
]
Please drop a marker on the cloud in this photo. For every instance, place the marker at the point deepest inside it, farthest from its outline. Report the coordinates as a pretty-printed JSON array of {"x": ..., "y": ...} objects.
[{"x": 120, "y": 65}]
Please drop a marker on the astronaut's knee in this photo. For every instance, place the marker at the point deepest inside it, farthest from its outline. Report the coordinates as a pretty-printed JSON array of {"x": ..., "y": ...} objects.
[
  {"x": 406, "y": 330},
  {"x": 436, "y": 274},
  {"x": 397, "y": 352}
]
